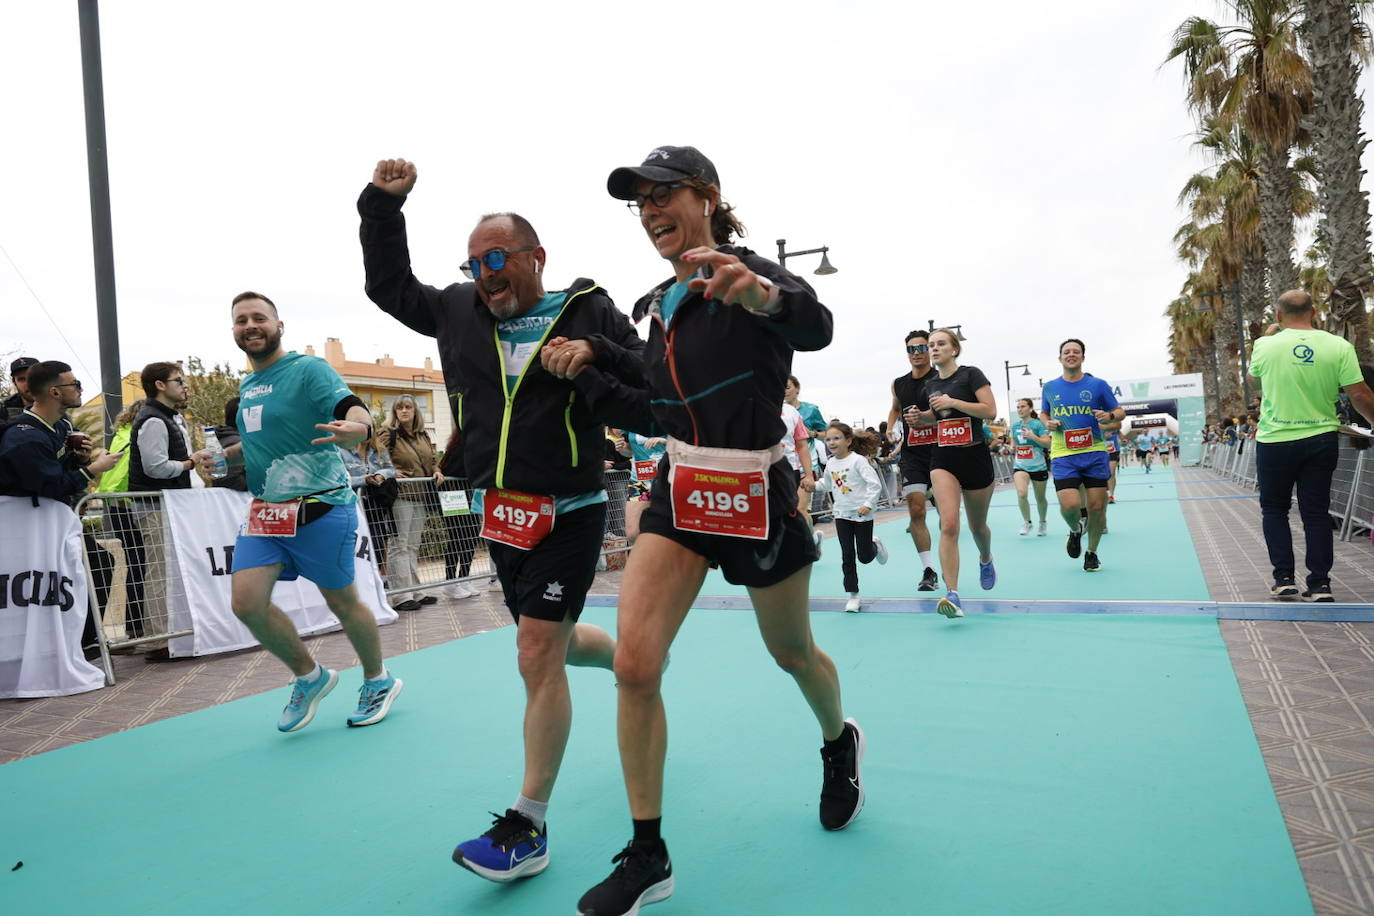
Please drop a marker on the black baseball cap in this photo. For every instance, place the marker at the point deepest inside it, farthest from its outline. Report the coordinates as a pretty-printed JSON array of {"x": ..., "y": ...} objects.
[
  {"x": 664, "y": 164},
  {"x": 22, "y": 363}
]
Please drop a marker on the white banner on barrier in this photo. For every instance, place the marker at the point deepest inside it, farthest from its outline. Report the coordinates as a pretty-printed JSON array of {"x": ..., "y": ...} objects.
[
  {"x": 204, "y": 526},
  {"x": 43, "y": 601}
]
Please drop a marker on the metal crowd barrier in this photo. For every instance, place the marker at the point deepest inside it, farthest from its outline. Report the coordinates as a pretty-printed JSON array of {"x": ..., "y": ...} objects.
[{"x": 129, "y": 558}]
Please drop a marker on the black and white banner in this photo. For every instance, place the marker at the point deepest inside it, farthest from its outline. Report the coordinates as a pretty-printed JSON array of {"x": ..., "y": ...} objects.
[
  {"x": 43, "y": 601},
  {"x": 203, "y": 526}
]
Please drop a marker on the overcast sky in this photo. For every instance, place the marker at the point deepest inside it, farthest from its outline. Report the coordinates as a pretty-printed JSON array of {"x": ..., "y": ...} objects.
[{"x": 1014, "y": 170}]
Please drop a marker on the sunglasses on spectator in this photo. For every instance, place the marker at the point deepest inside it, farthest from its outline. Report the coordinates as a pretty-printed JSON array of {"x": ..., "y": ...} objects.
[
  {"x": 68, "y": 385},
  {"x": 658, "y": 195},
  {"x": 494, "y": 260},
  {"x": 917, "y": 348}
]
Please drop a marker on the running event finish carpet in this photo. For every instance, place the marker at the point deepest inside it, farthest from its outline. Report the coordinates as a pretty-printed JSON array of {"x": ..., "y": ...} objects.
[
  {"x": 1028, "y": 764},
  {"x": 1147, "y": 554}
]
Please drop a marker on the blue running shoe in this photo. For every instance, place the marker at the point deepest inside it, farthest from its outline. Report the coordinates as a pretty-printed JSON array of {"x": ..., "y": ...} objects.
[
  {"x": 987, "y": 574},
  {"x": 512, "y": 848},
  {"x": 375, "y": 699},
  {"x": 949, "y": 605},
  {"x": 305, "y": 699}
]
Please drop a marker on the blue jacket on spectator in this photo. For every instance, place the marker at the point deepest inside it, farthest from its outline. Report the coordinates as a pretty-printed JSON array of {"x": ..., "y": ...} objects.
[{"x": 34, "y": 460}]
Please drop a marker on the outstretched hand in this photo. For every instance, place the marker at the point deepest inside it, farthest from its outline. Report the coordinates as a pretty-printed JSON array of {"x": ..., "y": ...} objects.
[
  {"x": 395, "y": 176},
  {"x": 347, "y": 433}
]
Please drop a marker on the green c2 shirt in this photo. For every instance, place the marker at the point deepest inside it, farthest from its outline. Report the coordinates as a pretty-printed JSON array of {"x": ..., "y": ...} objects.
[{"x": 1303, "y": 371}]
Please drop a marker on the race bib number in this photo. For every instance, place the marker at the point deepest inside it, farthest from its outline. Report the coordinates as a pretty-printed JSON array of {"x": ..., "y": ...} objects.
[
  {"x": 646, "y": 469},
  {"x": 957, "y": 431},
  {"x": 273, "y": 520},
  {"x": 920, "y": 435},
  {"x": 731, "y": 503},
  {"x": 521, "y": 520},
  {"x": 454, "y": 502},
  {"x": 1024, "y": 453},
  {"x": 1111, "y": 446},
  {"x": 1075, "y": 440}
]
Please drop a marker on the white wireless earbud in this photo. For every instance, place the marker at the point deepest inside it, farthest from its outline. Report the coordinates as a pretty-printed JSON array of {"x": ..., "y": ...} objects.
[{"x": 706, "y": 209}]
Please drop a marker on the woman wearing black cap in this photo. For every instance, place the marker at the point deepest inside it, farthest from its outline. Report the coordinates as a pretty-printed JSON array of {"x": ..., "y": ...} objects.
[{"x": 722, "y": 332}]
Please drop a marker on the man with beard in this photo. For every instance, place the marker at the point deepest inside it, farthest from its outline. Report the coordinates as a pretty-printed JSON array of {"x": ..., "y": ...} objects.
[
  {"x": 302, "y": 521},
  {"x": 532, "y": 444}
]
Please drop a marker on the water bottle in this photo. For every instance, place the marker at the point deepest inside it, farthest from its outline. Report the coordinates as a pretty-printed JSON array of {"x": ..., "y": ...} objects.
[{"x": 219, "y": 465}]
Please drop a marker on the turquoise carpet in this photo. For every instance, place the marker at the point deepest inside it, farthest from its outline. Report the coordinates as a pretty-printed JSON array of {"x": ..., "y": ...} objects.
[
  {"x": 1017, "y": 765},
  {"x": 1147, "y": 554}
]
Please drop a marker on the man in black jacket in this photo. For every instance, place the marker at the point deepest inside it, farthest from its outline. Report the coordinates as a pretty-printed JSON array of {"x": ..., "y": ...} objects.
[
  {"x": 532, "y": 446},
  {"x": 16, "y": 403},
  {"x": 35, "y": 459}
]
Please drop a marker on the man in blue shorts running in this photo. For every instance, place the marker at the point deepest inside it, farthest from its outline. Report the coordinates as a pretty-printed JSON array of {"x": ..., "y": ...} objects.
[
  {"x": 302, "y": 521},
  {"x": 1073, "y": 407}
]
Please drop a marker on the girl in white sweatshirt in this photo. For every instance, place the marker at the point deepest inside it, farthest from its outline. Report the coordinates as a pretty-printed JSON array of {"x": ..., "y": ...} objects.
[{"x": 854, "y": 488}]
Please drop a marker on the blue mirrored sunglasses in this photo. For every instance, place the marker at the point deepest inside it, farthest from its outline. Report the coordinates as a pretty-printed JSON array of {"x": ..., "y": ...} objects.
[
  {"x": 494, "y": 260},
  {"x": 917, "y": 348}
]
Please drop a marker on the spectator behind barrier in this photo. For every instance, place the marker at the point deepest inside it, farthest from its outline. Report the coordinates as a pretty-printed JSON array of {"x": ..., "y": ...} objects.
[
  {"x": 16, "y": 403},
  {"x": 41, "y": 454},
  {"x": 372, "y": 475},
  {"x": 412, "y": 454}
]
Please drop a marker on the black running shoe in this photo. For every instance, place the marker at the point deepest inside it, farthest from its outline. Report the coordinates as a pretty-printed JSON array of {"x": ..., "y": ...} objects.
[
  {"x": 1321, "y": 593},
  {"x": 842, "y": 786},
  {"x": 928, "y": 581},
  {"x": 1090, "y": 563},
  {"x": 644, "y": 875},
  {"x": 1075, "y": 544},
  {"x": 1284, "y": 589}
]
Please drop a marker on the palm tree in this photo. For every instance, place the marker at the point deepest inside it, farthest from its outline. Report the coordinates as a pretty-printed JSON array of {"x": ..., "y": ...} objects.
[
  {"x": 1337, "y": 42},
  {"x": 1252, "y": 74}
]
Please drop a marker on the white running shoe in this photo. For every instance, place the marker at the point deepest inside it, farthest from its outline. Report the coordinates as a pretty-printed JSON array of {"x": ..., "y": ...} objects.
[
  {"x": 852, "y": 605},
  {"x": 1041, "y": 532},
  {"x": 1025, "y": 528},
  {"x": 879, "y": 551},
  {"x": 818, "y": 538},
  {"x": 459, "y": 590}
]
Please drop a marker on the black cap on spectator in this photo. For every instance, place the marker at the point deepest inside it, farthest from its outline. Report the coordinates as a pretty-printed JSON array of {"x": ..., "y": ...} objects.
[{"x": 22, "y": 363}]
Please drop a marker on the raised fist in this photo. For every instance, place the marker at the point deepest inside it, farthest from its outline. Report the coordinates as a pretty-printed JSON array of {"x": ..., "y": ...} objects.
[{"x": 395, "y": 176}]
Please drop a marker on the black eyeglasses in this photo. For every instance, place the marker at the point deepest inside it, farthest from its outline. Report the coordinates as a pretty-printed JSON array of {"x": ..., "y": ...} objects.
[
  {"x": 917, "y": 348},
  {"x": 494, "y": 260},
  {"x": 68, "y": 385},
  {"x": 658, "y": 195},
  {"x": 179, "y": 380}
]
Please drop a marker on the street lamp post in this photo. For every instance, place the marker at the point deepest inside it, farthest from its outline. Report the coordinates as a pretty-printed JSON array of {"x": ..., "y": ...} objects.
[
  {"x": 1234, "y": 291},
  {"x": 826, "y": 267},
  {"x": 1007, "y": 367},
  {"x": 958, "y": 329}
]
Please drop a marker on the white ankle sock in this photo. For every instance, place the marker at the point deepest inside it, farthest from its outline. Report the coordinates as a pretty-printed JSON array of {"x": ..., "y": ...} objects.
[{"x": 534, "y": 810}]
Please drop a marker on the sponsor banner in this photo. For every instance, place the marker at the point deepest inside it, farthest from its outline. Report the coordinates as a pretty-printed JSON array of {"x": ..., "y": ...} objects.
[
  {"x": 43, "y": 601},
  {"x": 204, "y": 524}
]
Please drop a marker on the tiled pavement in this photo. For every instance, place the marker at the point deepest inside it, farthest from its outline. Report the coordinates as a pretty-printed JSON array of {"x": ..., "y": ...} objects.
[{"x": 1309, "y": 688}]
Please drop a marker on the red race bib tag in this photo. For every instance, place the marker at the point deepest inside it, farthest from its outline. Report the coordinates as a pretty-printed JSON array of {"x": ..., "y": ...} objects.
[
  {"x": 273, "y": 520},
  {"x": 1075, "y": 440},
  {"x": 521, "y": 520},
  {"x": 646, "y": 469},
  {"x": 1024, "y": 453},
  {"x": 920, "y": 435},
  {"x": 1111, "y": 446},
  {"x": 958, "y": 431},
  {"x": 733, "y": 503}
]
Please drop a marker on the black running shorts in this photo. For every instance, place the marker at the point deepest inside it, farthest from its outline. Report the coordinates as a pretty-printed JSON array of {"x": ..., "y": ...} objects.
[
  {"x": 914, "y": 463},
  {"x": 971, "y": 465},
  {"x": 1042, "y": 474},
  {"x": 751, "y": 563},
  {"x": 551, "y": 581}
]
